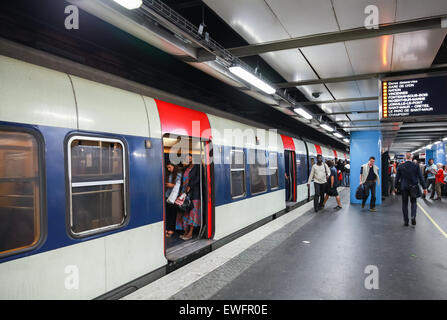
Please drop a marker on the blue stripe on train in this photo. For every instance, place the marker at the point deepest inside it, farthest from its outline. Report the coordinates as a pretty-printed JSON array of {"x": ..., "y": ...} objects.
[{"x": 145, "y": 178}]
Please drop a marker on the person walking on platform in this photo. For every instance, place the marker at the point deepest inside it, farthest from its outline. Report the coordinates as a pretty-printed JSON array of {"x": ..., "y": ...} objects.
[
  {"x": 385, "y": 176},
  {"x": 331, "y": 189},
  {"x": 369, "y": 175},
  {"x": 439, "y": 181},
  {"x": 430, "y": 170},
  {"x": 392, "y": 173},
  {"x": 319, "y": 173},
  {"x": 348, "y": 171},
  {"x": 409, "y": 174}
]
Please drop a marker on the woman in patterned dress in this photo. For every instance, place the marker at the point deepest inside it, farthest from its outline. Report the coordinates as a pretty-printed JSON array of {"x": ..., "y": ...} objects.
[{"x": 191, "y": 185}]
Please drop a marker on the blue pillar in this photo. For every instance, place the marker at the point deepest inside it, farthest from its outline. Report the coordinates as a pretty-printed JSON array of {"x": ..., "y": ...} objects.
[
  {"x": 365, "y": 144},
  {"x": 439, "y": 152}
]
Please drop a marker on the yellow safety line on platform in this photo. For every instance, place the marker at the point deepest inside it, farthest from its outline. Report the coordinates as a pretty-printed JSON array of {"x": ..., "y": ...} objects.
[{"x": 432, "y": 221}]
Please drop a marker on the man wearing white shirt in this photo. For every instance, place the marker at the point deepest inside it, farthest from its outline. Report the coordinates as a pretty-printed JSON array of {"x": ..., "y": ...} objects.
[{"x": 319, "y": 173}]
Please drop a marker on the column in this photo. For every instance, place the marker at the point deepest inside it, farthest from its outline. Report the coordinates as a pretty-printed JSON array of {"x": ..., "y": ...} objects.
[{"x": 363, "y": 145}]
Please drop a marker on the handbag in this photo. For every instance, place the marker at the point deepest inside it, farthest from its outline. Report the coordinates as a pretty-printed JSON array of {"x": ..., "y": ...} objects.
[
  {"x": 174, "y": 193},
  {"x": 183, "y": 203},
  {"x": 415, "y": 191},
  {"x": 360, "y": 192}
]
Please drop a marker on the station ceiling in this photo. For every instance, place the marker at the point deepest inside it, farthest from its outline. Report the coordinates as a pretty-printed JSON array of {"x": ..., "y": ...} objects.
[
  {"x": 315, "y": 52},
  {"x": 320, "y": 58},
  {"x": 40, "y": 25}
]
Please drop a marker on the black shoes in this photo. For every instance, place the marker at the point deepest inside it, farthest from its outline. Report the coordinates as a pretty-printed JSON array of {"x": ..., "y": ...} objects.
[
  {"x": 406, "y": 223},
  {"x": 363, "y": 205},
  {"x": 413, "y": 221},
  {"x": 338, "y": 208}
]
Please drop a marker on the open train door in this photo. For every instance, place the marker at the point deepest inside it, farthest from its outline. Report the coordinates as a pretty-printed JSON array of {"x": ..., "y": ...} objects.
[
  {"x": 207, "y": 231},
  {"x": 290, "y": 169},
  {"x": 186, "y": 134}
]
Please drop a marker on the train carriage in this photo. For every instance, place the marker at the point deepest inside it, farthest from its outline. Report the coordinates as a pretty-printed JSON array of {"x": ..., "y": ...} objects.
[{"x": 82, "y": 182}]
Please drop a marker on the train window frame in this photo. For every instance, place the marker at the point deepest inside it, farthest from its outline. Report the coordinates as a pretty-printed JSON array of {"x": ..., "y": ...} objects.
[
  {"x": 125, "y": 184},
  {"x": 276, "y": 171},
  {"x": 243, "y": 169},
  {"x": 265, "y": 165},
  {"x": 42, "y": 207}
]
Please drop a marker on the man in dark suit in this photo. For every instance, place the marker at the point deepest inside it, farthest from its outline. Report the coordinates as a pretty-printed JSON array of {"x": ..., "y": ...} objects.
[{"x": 409, "y": 174}]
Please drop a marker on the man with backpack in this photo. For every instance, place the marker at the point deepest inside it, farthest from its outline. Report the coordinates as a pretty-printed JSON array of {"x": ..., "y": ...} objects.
[{"x": 332, "y": 186}]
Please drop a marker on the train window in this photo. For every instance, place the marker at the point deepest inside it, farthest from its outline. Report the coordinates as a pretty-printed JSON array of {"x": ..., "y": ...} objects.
[
  {"x": 237, "y": 173},
  {"x": 20, "y": 191},
  {"x": 273, "y": 170},
  {"x": 258, "y": 171},
  {"x": 98, "y": 184}
]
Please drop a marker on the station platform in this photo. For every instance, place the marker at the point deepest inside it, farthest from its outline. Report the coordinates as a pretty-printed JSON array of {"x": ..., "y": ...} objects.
[{"x": 308, "y": 255}]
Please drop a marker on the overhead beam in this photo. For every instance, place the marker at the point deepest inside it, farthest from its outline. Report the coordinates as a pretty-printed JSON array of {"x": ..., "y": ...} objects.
[
  {"x": 348, "y": 112},
  {"x": 306, "y": 103},
  {"x": 339, "y": 36},
  {"x": 365, "y": 76}
]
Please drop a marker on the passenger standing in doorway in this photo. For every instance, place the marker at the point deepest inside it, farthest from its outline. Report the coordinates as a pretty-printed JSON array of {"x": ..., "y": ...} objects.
[
  {"x": 173, "y": 176},
  {"x": 332, "y": 186},
  {"x": 369, "y": 175},
  {"x": 191, "y": 186},
  {"x": 431, "y": 180},
  {"x": 319, "y": 173},
  {"x": 409, "y": 174}
]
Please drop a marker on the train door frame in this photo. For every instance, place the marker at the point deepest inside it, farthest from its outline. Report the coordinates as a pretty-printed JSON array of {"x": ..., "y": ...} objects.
[
  {"x": 291, "y": 164},
  {"x": 206, "y": 188}
]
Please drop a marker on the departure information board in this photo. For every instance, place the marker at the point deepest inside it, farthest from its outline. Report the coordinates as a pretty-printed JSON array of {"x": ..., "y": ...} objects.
[{"x": 412, "y": 98}]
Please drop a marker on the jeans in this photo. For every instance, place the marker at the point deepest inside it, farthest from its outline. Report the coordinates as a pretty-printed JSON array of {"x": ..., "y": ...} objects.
[
  {"x": 405, "y": 196},
  {"x": 320, "y": 189},
  {"x": 343, "y": 181},
  {"x": 432, "y": 183},
  {"x": 370, "y": 185}
]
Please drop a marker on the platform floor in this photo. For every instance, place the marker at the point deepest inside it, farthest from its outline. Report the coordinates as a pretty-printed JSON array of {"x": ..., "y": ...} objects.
[{"x": 323, "y": 256}]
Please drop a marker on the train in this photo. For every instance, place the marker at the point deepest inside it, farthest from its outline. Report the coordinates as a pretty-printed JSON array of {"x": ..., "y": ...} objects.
[{"x": 82, "y": 167}]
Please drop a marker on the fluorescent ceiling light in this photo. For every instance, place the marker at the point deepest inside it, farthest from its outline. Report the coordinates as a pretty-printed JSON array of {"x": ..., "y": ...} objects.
[
  {"x": 428, "y": 146},
  {"x": 303, "y": 113},
  {"x": 130, "y": 4},
  {"x": 252, "y": 79},
  {"x": 326, "y": 127},
  {"x": 445, "y": 139},
  {"x": 437, "y": 142},
  {"x": 346, "y": 140},
  {"x": 338, "y": 135}
]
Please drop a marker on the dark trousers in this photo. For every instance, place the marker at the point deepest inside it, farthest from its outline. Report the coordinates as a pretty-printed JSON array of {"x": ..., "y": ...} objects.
[
  {"x": 320, "y": 189},
  {"x": 405, "y": 196},
  {"x": 385, "y": 181},
  {"x": 432, "y": 183},
  {"x": 370, "y": 185},
  {"x": 171, "y": 216}
]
